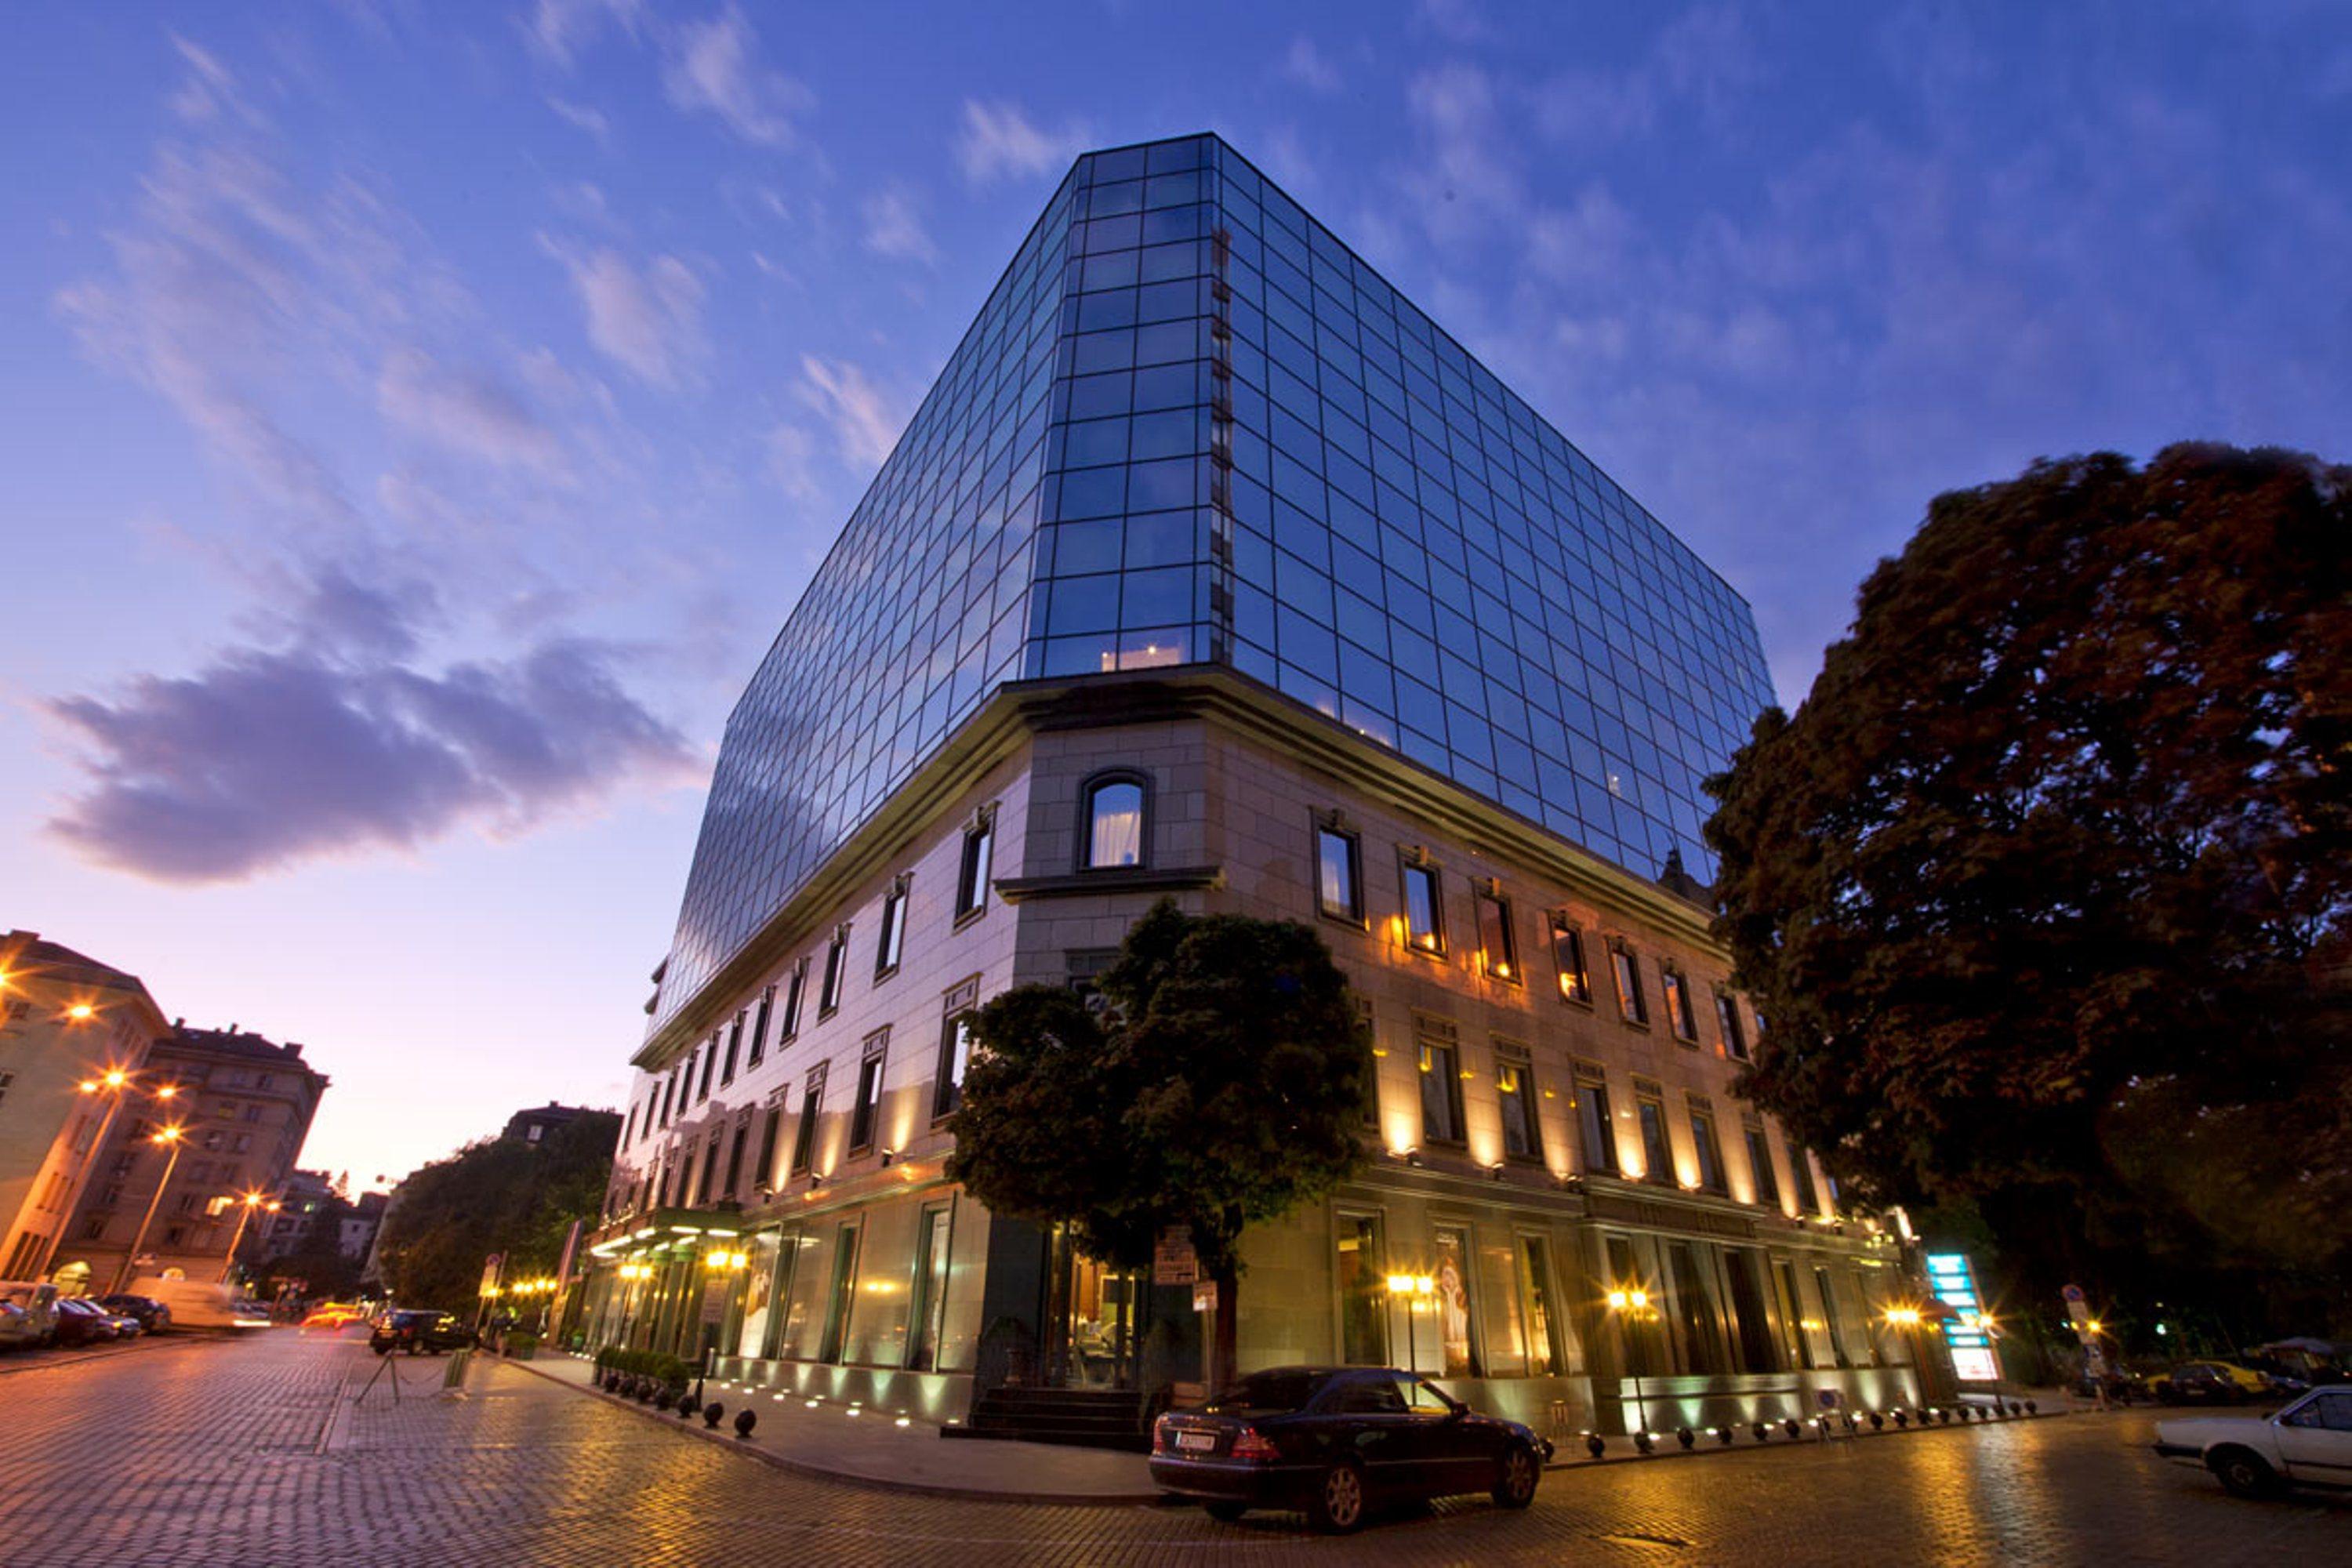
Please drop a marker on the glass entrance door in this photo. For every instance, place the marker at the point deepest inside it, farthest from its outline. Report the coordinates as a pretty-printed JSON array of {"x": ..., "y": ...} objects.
[
  {"x": 930, "y": 1305},
  {"x": 843, "y": 1296}
]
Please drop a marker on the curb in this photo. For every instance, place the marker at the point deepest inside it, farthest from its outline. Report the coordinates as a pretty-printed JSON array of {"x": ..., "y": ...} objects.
[
  {"x": 747, "y": 1448},
  {"x": 1707, "y": 1448}
]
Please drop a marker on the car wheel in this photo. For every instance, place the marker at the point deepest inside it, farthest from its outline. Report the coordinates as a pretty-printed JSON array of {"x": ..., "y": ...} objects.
[
  {"x": 1516, "y": 1476},
  {"x": 2243, "y": 1473},
  {"x": 1336, "y": 1506},
  {"x": 1225, "y": 1513}
]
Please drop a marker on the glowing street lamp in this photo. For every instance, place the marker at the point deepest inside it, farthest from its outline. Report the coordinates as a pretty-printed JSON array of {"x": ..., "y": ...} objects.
[
  {"x": 169, "y": 1138},
  {"x": 1416, "y": 1289},
  {"x": 248, "y": 1202},
  {"x": 113, "y": 1081},
  {"x": 1634, "y": 1304}
]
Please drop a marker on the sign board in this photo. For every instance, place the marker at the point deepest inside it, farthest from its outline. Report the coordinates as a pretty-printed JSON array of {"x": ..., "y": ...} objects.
[
  {"x": 490, "y": 1267},
  {"x": 1205, "y": 1296},
  {"x": 1173, "y": 1261},
  {"x": 1967, "y": 1330}
]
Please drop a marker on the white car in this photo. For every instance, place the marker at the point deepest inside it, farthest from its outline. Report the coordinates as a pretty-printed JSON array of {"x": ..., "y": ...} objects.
[{"x": 2308, "y": 1444}]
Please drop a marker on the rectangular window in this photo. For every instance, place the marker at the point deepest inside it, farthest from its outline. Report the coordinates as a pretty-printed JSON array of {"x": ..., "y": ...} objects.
[
  {"x": 1657, "y": 1153},
  {"x": 735, "y": 1161},
  {"x": 893, "y": 943},
  {"x": 709, "y": 1190},
  {"x": 669, "y": 1096},
  {"x": 1593, "y": 1120},
  {"x": 1362, "y": 1279},
  {"x": 710, "y": 1065},
  {"x": 772, "y": 1125},
  {"x": 1498, "y": 950},
  {"x": 796, "y": 994},
  {"x": 1515, "y": 1087},
  {"x": 973, "y": 872},
  {"x": 864, "y": 1111},
  {"x": 1681, "y": 1017},
  {"x": 759, "y": 1020},
  {"x": 734, "y": 1050},
  {"x": 804, "y": 1136},
  {"x": 1337, "y": 882},
  {"x": 1705, "y": 1148},
  {"x": 1441, "y": 1092},
  {"x": 1424, "y": 917},
  {"x": 1727, "y": 1017},
  {"x": 629, "y": 1128},
  {"x": 836, "y": 965},
  {"x": 1759, "y": 1162},
  {"x": 1828, "y": 1303},
  {"x": 1568, "y": 958},
  {"x": 1630, "y": 1005},
  {"x": 1453, "y": 1305},
  {"x": 955, "y": 1054},
  {"x": 1547, "y": 1352},
  {"x": 1809, "y": 1197}
]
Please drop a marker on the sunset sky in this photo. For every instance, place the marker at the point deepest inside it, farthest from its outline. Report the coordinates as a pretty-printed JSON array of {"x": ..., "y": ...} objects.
[{"x": 420, "y": 417}]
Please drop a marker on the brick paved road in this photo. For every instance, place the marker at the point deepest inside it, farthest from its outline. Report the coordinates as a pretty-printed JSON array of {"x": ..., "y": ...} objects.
[{"x": 250, "y": 1453}]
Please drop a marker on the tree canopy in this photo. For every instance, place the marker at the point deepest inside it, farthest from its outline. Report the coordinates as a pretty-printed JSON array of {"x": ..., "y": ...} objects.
[
  {"x": 2045, "y": 888},
  {"x": 1222, "y": 1083},
  {"x": 501, "y": 1195}
]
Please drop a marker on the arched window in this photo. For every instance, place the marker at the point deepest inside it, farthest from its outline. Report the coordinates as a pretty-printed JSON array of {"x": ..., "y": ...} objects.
[{"x": 1112, "y": 831}]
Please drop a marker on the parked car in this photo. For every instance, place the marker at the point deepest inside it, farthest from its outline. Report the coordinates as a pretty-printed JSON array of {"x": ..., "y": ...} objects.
[
  {"x": 82, "y": 1322},
  {"x": 1334, "y": 1441},
  {"x": 153, "y": 1316},
  {"x": 2210, "y": 1383},
  {"x": 31, "y": 1318},
  {"x": 2308, "y": 1444},
  {"x": 419, "y": 1333}
]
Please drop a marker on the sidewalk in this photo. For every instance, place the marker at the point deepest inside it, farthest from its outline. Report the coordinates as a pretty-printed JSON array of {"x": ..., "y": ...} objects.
[{"x": 871, "y": 1449}]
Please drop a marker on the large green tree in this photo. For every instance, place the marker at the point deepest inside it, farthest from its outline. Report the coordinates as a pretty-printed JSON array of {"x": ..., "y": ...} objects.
[
  {"x": 1222, "y": 1083},
  {"x": 502, "y": 1194},
  {"x": 2043, "y": 890}
]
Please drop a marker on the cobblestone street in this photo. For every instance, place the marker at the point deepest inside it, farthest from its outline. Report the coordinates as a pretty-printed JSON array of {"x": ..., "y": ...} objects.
[{"x": 252, "y": 1453}]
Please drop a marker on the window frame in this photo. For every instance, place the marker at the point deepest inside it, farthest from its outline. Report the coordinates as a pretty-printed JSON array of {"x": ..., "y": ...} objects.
[
  {"x": 734, "y": 1048},
  {"x": 763, "y": 1016},
  {"x": 1625, "y": 975},
  {"x": 956, "y": 1009},
  {"x": 1492, "y": 897},
  {"x": 1600, "y": 1125},
  {"x": 865, "y": 1103},
  {"x": 1706, "y": 1145},
  {"x": 1094, "y": 784},
  {"x": 1727, "y": 1020},
  {"x": 1675, "y": 997},
  {"x": 1332, "y": 825},
  {"x": 795, "y": 1002},
  {"x": 1519, "y": 1062},
  {"x": 836, "y": 972},
  {"x": 1575, "y": 986},
  {"x": 1428, "y": 1043},
  {"x": 890, "y": 941},
  {"x": 1658, "y": 1161},
  {"x": 804, "y": 1136},
  {"x": 1763, "y": 1176},
  {"x": 975, "y": 864},
  {"x": 1410, "y": 866}
]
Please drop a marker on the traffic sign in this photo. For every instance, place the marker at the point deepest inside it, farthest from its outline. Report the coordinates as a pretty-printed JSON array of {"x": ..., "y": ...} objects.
[
  {"x": 2072, "y": 1293},
  {"x": 1173, "y": 1261}
]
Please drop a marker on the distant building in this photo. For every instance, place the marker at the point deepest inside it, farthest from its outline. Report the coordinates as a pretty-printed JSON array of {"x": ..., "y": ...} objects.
[
  {"x": 535, "y": 1125},
  {"x": 308, "y": 1198},
  {"x": 241, "y": 1106},
  {"x": 358, "y": 1224},
  {"x": 74, "y": 1037}
]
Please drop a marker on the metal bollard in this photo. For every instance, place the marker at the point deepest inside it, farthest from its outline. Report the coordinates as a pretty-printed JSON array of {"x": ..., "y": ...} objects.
[{"x": 454, "y": 1374}]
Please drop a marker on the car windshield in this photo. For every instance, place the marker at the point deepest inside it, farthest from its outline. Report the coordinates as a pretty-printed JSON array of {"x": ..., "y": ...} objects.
[{"x": 1267, "y": 1393}]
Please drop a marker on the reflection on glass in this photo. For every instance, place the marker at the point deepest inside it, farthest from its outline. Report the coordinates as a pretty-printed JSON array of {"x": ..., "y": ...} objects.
[
  {"x": 1115, "y": 825},
  {"x": 1334, "y": 857}
]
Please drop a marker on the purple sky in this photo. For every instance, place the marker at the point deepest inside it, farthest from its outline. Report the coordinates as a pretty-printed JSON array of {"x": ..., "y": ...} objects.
[{"x": 421, "y": 416}]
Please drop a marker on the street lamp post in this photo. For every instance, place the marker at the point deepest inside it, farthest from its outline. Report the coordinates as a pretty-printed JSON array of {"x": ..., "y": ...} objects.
[
  {"x": 1634, "y": 1306},
  {"x": 114, "y": 1082},
  {"x": 1416, "y": 1289},
  {"x": 170, "y": 1138},
  {"x": 250, "y": 1200}
]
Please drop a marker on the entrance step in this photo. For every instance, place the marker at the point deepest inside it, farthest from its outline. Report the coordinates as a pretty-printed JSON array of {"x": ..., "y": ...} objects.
[{"x": 1075, "y": 1417}]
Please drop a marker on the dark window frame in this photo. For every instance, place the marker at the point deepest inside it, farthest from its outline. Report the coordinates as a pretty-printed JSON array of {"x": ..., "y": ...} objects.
[
  {"x": 1331, "y": 825},
  {"x": 1706, "y": 1145},
  {"x": 1410, "y": 866},
  {"x": 1519, "y": 1062},
  {"x": 865, "y": 1104},
  {"x": 804, "y": 1135},
  {"x": 890, "y": 941},
  {"x": 1492, "y": 897},
  {"x": 1575, "y": 985},
  {"x": 956, "y": 1010},
  {"x": 795, "y": 1002},
  {"x": 710, "y": 1065},
  {"x": 1675, "y": 997},
  {"x": 975, "y": 865},
  {"x": 1658, "y": 1159},
  {"x": 836, "y": 973},
  {"x": 1625, "y": 975},
  {"x": 1094, "y": 784},
  {"x": 763, "y": 1015},
  {"x": 734, "y": 1048},
  {"x": 1596, "y": 1124},
  {"x": 1726, "y": 1019},
  {"x": 1430, "y": 1044},
  {"x": 1762, "y": 1174}
]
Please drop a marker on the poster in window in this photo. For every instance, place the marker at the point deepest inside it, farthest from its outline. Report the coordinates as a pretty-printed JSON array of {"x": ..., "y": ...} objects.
[{"x": 1454, "y": 1304}]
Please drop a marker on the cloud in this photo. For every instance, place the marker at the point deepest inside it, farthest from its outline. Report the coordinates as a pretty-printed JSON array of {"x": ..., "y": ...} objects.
[
  {"x": 337, "y": 743},
  {"x": 1305, "y": 65},
  {"x": 1456, "y": 21},
  {"x": 865, "y": 426},
  {"x": 714, "y": 67},
  {"x": 649, "y": 321},
  {"x": 560, "y": 28},
  {"x": 894, "y": 229},
  {"x": 792, "y": 462},
  {"x": 583, "y": 116},
  {"x": 998, "y": 141},
  {"x": 466, "y": 412}
]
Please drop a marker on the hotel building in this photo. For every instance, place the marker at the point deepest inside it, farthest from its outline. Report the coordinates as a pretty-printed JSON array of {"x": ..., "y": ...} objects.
[{"x": 1211, "y": 568}]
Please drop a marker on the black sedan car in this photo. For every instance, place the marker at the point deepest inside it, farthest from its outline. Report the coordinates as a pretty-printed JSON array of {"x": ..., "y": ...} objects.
[
  {"x": 1335, "y": 1440},
  {"x": 417, "y": 1331},
  {"x": 146, "y": 1312}
]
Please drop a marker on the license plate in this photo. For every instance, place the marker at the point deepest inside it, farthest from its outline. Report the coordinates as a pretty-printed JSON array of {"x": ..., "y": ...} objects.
[{"x": 1196, "y": 1442}]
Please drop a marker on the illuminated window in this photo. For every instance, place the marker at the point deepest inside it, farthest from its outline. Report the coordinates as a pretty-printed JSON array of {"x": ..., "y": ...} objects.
[
  {"x": 1424, "y": 916},
  {"x": 1727, "y": 1016},
  {"x": 1630, "y": 1005},
  {"x": 955, "y": 1048},
  {"x": 1112, "y": 832},
  {"x": 1440, "y": 1090},
  {"x": 862, "y": 1111},
  {"x": 1515, "y": 1087},
  {"x": 1337, "y": 878},
  {"x": 1568, "y": 958},
  {"x": 804, "y": 1137},
  {"x": 1759, "y": 1160},
  {"x": 1498, "y": 951},
  {"x": 837, "y": 962},
  {"x": 1681, "y": 1017}
]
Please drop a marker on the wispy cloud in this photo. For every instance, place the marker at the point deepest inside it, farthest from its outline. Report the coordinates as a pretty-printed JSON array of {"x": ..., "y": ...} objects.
[
  {"x": 466, "y": 411},
  {"x": 648, "y": 319},
  {"x": 559, "y": 29},
  {"x": 893, "y": 227},
  {"x": 865, "y": 424},
  {"x": 1306, "y": 64},
  {"x": 715, "y": 68},
  {"x": 999, "y": 141},
  {"x": 339, "y": 742},
  {"x": 581, "y": 117}
]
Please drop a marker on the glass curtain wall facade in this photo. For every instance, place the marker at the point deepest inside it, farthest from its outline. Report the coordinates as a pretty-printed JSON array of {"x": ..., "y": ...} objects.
[{"x": 1190, "y": 426}]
